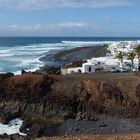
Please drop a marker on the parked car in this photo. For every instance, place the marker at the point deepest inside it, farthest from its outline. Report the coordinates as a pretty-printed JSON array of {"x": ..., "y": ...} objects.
[
  {"x": 122, "y": 70},
  {"x": 135, "y": 69},
  {"x": 119, "y": 70},
  {"x": 113, "y": 70}
]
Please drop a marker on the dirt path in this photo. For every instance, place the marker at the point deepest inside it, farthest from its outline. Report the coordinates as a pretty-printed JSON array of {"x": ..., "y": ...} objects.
[{"x": 97, "y": 137}]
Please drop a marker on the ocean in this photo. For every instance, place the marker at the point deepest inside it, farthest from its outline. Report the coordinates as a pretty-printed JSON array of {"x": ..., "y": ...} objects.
[{"x": 17, "y": 53}]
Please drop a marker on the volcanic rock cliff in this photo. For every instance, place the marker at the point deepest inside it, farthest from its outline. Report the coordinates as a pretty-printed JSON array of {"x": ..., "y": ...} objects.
[{"x": 66, "y": 97}]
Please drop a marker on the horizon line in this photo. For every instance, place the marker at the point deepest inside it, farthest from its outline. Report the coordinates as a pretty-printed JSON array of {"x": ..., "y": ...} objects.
[{"x": 74, "y": 36}]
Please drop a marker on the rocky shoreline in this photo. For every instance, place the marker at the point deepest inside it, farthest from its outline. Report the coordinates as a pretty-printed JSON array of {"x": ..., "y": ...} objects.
[
  {"x": 75, "y": 54},
  {"x": 50, "y": 105}
]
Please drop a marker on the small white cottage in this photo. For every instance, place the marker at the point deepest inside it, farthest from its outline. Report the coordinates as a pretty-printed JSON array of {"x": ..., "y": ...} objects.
[{"x": 88, "y": 67}]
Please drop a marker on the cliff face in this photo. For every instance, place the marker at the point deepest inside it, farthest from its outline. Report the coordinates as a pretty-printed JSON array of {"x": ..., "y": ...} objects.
[
  {"x": 64, "y": 97},
  {"x": 24, "y": 94},
  {"x": 89, "y": 98}
]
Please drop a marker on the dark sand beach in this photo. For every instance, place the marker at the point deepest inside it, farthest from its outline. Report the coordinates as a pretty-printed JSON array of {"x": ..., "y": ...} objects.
[{"x": 74, "y": 54}]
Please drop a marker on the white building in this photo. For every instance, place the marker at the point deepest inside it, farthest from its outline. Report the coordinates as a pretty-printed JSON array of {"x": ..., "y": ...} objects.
[
  {"x": 123, "y": 46},
  {"x": 74, "y": 70},
  {"x": 107, "y": 62},
  {"x": 88, "y": 67}
]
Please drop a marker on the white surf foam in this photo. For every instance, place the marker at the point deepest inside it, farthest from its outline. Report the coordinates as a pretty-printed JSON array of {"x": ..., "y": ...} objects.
[
  {"x": 6, "y": 55},
  {"x": 27, "y": 57},
  {"x": 29, "y": 62},
  {"x": 87, "y": 42},
  {"x": 12, "y": 127},
  {"x": 4, "y": 51}
]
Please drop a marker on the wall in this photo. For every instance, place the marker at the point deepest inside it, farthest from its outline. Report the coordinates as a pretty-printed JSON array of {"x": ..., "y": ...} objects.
[
  {"x": 65, "y": 71},
  {"x": 84, "y": 69},
  {"x": 74, "y": 70}
]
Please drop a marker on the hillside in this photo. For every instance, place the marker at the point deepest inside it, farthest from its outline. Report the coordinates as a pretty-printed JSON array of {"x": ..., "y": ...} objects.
[{"x": 48, "y": 102}]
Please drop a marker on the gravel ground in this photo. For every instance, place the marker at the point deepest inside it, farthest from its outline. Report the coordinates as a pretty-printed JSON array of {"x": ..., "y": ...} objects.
[{"x": 109, "y": 125}]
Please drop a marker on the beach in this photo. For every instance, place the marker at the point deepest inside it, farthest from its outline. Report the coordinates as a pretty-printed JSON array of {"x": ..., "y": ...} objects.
[{"x": 75, "y": 54}]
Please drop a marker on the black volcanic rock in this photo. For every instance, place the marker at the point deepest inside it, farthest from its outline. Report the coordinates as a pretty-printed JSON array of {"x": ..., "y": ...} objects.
[
  {"x": 44, "y": 95},
  {"x": 41, "y": 99},
  {"x": 80, "y": 53}
]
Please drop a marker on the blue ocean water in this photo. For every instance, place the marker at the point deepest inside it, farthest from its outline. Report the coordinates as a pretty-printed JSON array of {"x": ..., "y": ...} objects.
[{"x": 17, "y": 53}]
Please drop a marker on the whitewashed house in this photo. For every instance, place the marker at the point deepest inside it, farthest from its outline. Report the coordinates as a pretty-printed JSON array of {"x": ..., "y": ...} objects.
[{"x": 88, "y": 67}]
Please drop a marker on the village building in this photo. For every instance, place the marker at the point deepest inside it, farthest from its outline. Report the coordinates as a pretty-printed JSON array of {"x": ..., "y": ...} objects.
[
  {"x": 88, "y": 67},
  {"x": 84, "y": 67},
  {"x": 106, "y": 63}
]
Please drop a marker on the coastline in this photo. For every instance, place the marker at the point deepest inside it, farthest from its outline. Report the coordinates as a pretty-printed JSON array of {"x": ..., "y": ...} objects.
[
  {"x": 74, "y": 54},
  {"x": 25, "y": 53},
  {"x": 77, "y": 101}
]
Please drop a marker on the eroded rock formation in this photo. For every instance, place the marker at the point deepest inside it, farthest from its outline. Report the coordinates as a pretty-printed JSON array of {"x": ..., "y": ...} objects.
[{"x": 41, "y": 97}]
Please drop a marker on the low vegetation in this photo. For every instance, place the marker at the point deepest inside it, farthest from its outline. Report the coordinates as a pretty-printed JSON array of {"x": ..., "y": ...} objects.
[{"x": 51, "y": 70}]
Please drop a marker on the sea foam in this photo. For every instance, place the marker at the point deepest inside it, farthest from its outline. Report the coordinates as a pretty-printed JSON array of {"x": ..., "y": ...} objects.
[
  {"x": 17, "y": 57},
  {"x": 12, "y": 127},
  {"x": 87, "y": 42}
]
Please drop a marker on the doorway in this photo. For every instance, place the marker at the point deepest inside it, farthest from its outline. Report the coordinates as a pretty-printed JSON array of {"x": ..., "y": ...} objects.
[{"x": 89, "y": 68}]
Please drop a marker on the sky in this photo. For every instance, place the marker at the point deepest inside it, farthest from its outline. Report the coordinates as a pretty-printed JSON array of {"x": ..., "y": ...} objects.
[{"x": 95, "y": 18}]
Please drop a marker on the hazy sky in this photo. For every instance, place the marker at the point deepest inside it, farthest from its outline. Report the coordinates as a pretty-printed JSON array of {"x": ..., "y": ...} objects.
[{"x": 69, "y": 17}]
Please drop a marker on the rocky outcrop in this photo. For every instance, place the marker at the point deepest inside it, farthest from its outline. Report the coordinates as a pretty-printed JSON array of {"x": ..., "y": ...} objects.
[
  {"x": 39, "y": 97},
  {"x": 80, "y": 53},
  {"x": 23, "y": 94},
  {"x": 41, "y": 94}
]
